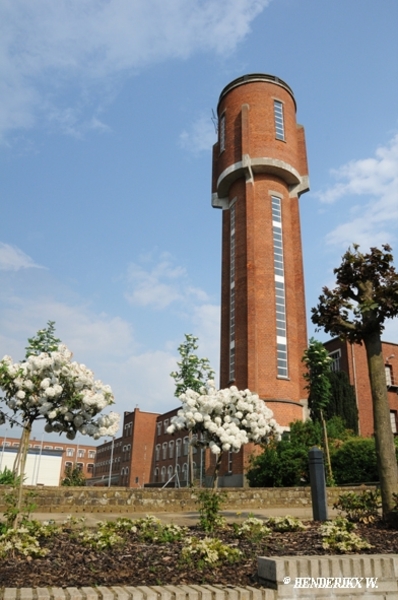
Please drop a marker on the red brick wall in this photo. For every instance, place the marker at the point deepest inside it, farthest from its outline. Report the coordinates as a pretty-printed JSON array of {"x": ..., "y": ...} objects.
[
  {"x": 354, "y": 363},
  {"x": 142, "y": 447}
]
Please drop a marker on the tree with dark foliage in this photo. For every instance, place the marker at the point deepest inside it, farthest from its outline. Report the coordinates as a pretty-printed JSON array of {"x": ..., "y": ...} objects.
[
  {"x": 355, "y": 310},
  {"x": 342, "y": 401}
]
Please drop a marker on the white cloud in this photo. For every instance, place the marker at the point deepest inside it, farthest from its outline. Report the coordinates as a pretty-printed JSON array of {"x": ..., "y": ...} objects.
[
  {"x": 160, "y": 285},
  {"x": 48, "y": 47},
  {"x": 14, "y": 259},
  {"x": 375, "y": 221},
  {"x": 201, "y": 135}
]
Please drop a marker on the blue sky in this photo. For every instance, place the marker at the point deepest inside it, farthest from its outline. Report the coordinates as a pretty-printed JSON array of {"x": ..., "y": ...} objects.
[{"x": 105, "y": 154}]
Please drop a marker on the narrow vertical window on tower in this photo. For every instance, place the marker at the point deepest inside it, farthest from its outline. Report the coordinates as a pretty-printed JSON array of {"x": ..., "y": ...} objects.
[
  {"x": 279, "y": 124},
  {"x": 221, "y": 131},
  {"x": 232, "y": 295},
  {"x": 279, "y": 277}
]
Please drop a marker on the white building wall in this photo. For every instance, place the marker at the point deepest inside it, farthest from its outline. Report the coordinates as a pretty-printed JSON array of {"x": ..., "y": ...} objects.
[{"x": 43, "y": 468}]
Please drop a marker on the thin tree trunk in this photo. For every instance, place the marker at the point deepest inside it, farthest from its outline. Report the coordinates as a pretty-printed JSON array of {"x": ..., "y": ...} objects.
[
  {"x": 24, "y": 447},
  {"x": 216, "y": 470},
  {"x": 190, "y": 458},
  {"x": 385, "y": 450},
  {"x": 327, "y": 452}
]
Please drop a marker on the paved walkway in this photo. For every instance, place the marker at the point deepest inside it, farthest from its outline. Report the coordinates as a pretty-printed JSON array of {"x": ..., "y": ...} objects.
[{"x": 185, "y": 518}]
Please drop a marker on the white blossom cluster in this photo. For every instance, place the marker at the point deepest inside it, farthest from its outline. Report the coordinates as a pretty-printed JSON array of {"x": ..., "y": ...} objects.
[
  {"x": 227, "y": 418},
  {"x": 64, "y": 393}
]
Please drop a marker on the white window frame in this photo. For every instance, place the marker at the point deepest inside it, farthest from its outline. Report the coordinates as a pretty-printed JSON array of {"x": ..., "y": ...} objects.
[{"x": 279, "y": 120}]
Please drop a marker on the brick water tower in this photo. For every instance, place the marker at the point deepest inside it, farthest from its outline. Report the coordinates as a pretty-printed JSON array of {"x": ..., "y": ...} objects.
[{"x": 259, "y": 172}]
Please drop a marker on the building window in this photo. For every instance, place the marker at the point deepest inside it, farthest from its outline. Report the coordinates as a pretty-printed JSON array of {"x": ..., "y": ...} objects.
[
  {"x": 279, "y": 278},
  {"x": 90, "y": 468},
  {"x": 279, "y": 124},
  {"x": 159, "y": 427},
  {"x": 157, "y": 452},
  {"x": 164, "y": 450},
  {"x": 389, "y": 379},
  {"x": 178, "y": 447},
  {"x": 185, "y": 472},
  {"x": 171, "y": 449},
  {"x": 91, "y": 453},
  {"x": 230, "y": 461},
  {"x": 80, "y": 453},
  {"x": 79, "y": 466},
  {"x": 232, "y": 217},
  {"x": 393, "y": 420},
  {"x": 156, "y": 474},
  {"x": 185, "y": 446},
  {"x": 68, "y": 465},
  {"x": 335, "y": 355},
  {"x": 221, "y": 132},
  {"x": 165, "y": 425},
  {"x": 163, "y": 475},
  {"x": 169, "y": 471}
]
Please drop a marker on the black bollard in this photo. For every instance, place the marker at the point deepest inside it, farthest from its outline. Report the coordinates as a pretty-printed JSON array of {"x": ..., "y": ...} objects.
[{"x": 318, "y": 485}]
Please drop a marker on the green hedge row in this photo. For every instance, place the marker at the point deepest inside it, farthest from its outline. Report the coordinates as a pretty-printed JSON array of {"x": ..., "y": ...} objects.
[{"x": 285, "y": 463}]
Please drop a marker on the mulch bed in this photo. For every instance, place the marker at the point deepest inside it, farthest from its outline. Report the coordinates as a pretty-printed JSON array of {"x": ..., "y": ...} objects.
[{"x": 69, "y": 563}]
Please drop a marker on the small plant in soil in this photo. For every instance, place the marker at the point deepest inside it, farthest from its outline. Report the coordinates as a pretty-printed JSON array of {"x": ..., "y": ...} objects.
[
  {"x": 360, "y": 507},
  {"x": 338, "y": 536}
]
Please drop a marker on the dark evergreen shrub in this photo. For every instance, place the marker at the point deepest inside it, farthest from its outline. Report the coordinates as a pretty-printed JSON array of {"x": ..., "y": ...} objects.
[
  {"x": 342, "y": 402},
  {"x": 355, "y": 461}
]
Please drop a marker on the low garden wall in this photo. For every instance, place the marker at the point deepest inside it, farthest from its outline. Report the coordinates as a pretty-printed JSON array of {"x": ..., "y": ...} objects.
[{"x": 155, "y": 500}]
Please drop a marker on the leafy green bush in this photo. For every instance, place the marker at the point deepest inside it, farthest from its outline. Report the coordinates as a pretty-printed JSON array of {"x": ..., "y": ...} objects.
[
  {"x": 208, "y": 551},
  {"x": 338, "y": 536},
  {"x": 362, "y": 507},
  {"x": 287, "y": 523},
  {"x": 355, "y": 461},
  {"x": 8, "y": 477},
  {"x": 210, "y": 502},
  {"x": 253, "y": 528},
  {"x": 285, "y": 463},
  {"x": 74, "y": 477}
]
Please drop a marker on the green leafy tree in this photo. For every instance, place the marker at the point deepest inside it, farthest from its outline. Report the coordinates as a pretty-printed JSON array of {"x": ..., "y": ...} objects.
[
  {"x": 342, "y": 402},
  {"x": 365, "y": 296},
  {"x": 193, "y": 372},
  {"x": 43, "y": 341},
  {"x": 73, "y": 476},
  {"x": 317, "y": 361},
  {"x": 285, "y": 463}
]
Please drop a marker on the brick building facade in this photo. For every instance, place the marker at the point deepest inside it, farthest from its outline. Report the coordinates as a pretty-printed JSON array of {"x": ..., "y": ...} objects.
[
  {"x": 127, "y": 460},
  {"x": 351, "y": 358},
  {"x": 259, "y": 172}
]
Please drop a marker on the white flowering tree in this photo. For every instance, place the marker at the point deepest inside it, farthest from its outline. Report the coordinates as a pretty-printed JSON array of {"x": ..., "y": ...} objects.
[
  {"x": 192, "y": 374},
  {"x": 224, "y": 420},
  {"x": 51, "y": 387}
]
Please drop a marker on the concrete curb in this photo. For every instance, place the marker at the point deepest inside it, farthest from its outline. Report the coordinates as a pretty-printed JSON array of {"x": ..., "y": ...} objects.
[
  {"x": 167, "y": 592},
  {"x": 372, "y": 576}
]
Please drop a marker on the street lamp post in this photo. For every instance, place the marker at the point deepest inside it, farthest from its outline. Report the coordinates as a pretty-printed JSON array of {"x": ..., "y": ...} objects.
[{"x": 111, "y": 462}]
